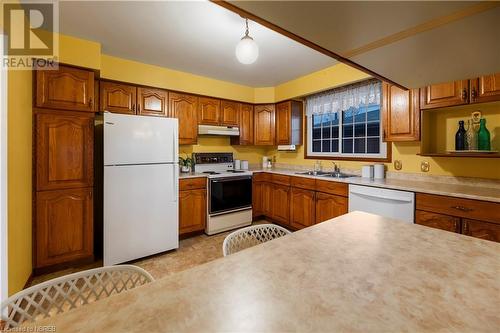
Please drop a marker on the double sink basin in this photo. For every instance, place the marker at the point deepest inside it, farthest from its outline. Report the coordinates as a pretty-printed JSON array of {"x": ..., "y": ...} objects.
[{"x": 326, "y": 174}]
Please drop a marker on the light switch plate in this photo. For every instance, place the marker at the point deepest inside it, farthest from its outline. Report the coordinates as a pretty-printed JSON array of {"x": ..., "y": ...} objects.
[{"x": 424, "y": 166}]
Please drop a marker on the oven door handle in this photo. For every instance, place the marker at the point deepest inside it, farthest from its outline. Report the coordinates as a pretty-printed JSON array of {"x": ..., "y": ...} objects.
[{"x": 221, "y": 180}]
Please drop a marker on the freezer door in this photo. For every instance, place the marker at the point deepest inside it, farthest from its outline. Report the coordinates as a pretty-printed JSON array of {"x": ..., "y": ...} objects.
[
  {"x": 140, "y": 211},
  {"x": 139, "y": 139}
]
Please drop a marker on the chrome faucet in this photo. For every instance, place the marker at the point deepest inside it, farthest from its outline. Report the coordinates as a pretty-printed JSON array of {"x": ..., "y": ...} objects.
[{"x": 336, "y": 168}]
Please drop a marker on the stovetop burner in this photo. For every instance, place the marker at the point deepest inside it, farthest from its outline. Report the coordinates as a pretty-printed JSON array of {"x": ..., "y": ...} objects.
[
  {"x": 211, "y": 172},
  {"x": 235, "y": 171}
]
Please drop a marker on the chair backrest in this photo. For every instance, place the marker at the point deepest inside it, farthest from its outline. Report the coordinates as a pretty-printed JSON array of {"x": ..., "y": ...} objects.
[
  {"x": 70, "y": 291},
  {"x": 250, "y": 236}
]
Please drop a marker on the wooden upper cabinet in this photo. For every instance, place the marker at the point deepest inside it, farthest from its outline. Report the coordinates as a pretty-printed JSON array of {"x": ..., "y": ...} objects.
[
  {"x": 208, "y": 111},
  {"x": 246, "y": 126},
  {"x": 67, "y": 88},
  {"x": 329, "y": 206},
  {"x": 480, "y": 229},
  {"x": 192, "y": 210},
  {"x": 64, "y": 151},
  {"x": 64, "y": 226},
  {"x": 438, "y": 221},
  {"x": 289, "y": 123},
  {"x": 118, "y": 97},
  {"x": 264, "y": 120},
  {"x": 152, "y": 102},
  {"x": 184, "y": 107},
  {"x": 485, "y": 89},
  {"x": 401, "y": 113},
  {"x": 302, "y": 208},
  {"x": 229, "y": 113},
  {"x": 444, "y": 94}
]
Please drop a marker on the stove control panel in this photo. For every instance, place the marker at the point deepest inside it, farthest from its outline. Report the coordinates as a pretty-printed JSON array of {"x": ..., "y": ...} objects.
[{"x": 213, "y": 158}]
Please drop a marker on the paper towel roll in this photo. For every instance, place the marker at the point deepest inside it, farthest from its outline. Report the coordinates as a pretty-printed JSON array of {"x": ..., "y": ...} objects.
[
  {"x": 237, "y": 164},
  {"x": 367, "y": 171},
  {"x": 244, "y": 164}
]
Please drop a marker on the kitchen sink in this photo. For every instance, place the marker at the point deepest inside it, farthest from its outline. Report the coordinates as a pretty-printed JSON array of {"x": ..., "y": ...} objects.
[
  {"x": 313, "y": 173},
  {"x": 338, "y": 175}
]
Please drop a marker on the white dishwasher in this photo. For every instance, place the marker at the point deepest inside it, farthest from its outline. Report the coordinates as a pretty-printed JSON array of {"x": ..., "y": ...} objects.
[{"x": 399, "y": 205}]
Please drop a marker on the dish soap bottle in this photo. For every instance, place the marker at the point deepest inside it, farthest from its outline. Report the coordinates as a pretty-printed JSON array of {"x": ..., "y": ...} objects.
[
  {"x": 460, "y": 136},
  {"x": 483, "y": 136}
]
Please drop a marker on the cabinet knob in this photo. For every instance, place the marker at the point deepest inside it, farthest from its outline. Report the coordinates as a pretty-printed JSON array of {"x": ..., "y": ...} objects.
[
  {"x": 464, "y": 94},
  {"x": 91, "y": 103},
  {"x": 462, "y": 208},
  {"x": 473, "y": 94},
  {"x": 466, "y": 228},
  {"x": 133, "y": 107}
]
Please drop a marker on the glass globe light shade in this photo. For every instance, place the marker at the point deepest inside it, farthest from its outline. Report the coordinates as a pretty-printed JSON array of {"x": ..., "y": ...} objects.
[{"x": 247, "y": 50}]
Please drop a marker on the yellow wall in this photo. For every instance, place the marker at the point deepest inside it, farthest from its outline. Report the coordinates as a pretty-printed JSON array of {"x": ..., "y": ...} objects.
[{"x": 222, "y": 144}]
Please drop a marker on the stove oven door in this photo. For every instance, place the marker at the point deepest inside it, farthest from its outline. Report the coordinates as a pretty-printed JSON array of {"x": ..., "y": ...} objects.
[{"x": 230, "y": 194}]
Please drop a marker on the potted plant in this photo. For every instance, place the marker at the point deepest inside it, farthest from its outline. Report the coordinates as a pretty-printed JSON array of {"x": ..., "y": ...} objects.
[{"x": 186, "y": 163}]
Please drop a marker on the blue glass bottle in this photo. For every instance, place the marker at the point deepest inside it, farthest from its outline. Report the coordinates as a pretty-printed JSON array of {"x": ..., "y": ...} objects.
[{"x": 460, "y": 136}]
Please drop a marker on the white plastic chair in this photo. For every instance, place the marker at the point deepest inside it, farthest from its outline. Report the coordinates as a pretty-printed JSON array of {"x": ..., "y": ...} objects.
[
  {"x": 251, "y": 236},
  {"x": 70, "y": 291}
]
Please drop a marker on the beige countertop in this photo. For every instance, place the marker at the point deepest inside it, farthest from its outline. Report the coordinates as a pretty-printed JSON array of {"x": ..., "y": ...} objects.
[
  {"x": 358, "y": 272},
  {"x": 183, "y": 175}
]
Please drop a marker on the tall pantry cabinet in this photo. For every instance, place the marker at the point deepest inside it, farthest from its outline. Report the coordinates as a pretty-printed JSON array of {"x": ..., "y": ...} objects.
[{"x": 63, "y": 172}]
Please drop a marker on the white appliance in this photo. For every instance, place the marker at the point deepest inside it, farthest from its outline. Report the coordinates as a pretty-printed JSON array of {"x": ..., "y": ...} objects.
[
  {"x": 218, "y": 130},
  {"x": 141, "y": 175},
  {"x": 229, "y": 203},
  {"x": 287, "y": 147},
  {"x": 399, "y": 205}
]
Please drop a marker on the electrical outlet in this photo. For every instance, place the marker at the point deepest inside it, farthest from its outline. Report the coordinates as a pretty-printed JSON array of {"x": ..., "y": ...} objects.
[
  {"x": 398, "y": 165},
  {"x": 424, "y": 166}
]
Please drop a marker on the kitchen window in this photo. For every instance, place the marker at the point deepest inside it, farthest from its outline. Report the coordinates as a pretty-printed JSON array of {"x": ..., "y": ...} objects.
[{"x": 345, "y": 123}]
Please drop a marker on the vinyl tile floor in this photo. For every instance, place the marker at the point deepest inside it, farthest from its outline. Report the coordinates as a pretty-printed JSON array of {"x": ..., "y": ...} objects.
[{"x": 192, "y": 252}]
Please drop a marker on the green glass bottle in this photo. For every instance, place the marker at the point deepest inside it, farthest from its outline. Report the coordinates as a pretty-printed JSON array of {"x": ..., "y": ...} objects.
[{"x": 483, "y": 136}]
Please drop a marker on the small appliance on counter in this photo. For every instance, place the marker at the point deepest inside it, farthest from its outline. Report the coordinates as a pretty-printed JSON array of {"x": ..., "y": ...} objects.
[
  {"x": 229, "y": 192},
  {"x": 237, "y": 164},
  {"x": 367, "y": 171},
  {"x": 244, "y": 165},
  {"x": 379, "y": 171}
]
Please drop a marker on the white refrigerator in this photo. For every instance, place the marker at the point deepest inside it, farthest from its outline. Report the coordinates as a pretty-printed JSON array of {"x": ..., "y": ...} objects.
[{"x": 141, "y": 176}]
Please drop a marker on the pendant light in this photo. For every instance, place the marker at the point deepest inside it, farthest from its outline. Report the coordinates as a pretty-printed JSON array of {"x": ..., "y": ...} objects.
[{"x": 247, "y": 50}]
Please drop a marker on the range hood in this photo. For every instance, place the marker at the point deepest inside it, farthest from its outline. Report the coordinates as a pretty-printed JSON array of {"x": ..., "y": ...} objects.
[
  {"x": 218, "y": 130},
  {"x": 287, "y": 148}
]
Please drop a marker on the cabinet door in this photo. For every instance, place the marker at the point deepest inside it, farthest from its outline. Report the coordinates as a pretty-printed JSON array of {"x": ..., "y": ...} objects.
[
  {"x": 329, "y": 206},
  {"x": 246, "y": 126},
  {"x": 118, "y": 97},
  {"x": 184, "y": 108},
  {"x": 64, "y": 151},
  {"x": 229, "y": 113},
  {"x": 152, "y": 102},
  {"x": 67, "y": 88},
  {"x": 444, "y": 94},
  {"x": 401, "y": 113},
  {"x": 209, "y": 111},
  {"x": 283, "y": 122},
  {"x": 267, "y": 199},
  {"x": 485, "y": 89},
  {"x": 192, "y": 210},
  {"x": 64, "y": 226},
  {"x": 281, "y": 203},
  {"x": 257, "y": 199},
  {"x": 480, "y": 229},
  {"x": 302, "y": 208},
  {"x": 438, "y": 221},
  {"x": 264, "y": 130}
]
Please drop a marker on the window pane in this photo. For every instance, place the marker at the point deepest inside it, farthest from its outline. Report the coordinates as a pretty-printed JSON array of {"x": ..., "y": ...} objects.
[
  {"x": 359, "y": 130},
  {"x": 316, "y": 146},
  {"x": 359, "y": 146},
  {"x": 360, "y": 115},
  {"x": 347, "y": 131},
  {"x": 373, "y": 114},
  {"x": 335, "y": 132},
  {"x": 335, "y": 118},
  {"x": 347, "y": 116},
  {"x": 347, "y": 146},
  {"x": 326, "y": 146},
  {"x": 316, "y": 121},
  {"x": 326, "y": 132},
  {"x": 316, "y": 133},
  {"x": 326, "y": 119},
  {"x": 373, "y": 129},
  {"x": 335, "y": 146},
  {"x": 373, "y": 145}
]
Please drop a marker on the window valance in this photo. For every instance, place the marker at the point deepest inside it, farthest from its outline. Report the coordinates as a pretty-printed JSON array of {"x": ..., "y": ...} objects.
[{"x": 344, "y": 98}]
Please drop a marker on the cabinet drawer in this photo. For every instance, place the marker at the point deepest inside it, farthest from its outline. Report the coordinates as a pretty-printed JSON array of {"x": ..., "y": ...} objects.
[
  {"x": 480, "y": 229},
  {"x": 262, "y": 177},
  {"x": 192, "y": 183},
  {"x": 305, "y": 183},
  {"x": 280, "y": 179},
  {"x": 327, "y": 186},
  {"x": 467, "y": 208},
  {"x": 438, "y": 221}
]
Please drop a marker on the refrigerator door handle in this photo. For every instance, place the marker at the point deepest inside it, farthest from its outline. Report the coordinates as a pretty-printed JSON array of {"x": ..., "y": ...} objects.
[{"x": 176, "y": 182}]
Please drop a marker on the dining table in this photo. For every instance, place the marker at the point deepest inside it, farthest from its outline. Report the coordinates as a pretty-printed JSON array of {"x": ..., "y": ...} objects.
[{"x": 354, "y": 273}]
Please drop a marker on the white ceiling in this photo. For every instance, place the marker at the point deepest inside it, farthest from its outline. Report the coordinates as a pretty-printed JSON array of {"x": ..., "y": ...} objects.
[
  {"x": 460, "y": 49},
  {"x": 195, "y": 37}
]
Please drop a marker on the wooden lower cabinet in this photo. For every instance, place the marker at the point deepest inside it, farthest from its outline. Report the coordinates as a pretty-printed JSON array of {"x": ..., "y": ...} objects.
[
  {"x": 192, "y": 210},
  {"x": 329, "y": 206},
  {"x": 438, "y": 221},
  {"x": 257, "y": 199},
  {"x": 267, "y": 199},
  {"x": 302, "y": 208},
  {"x": 64, "y": 226},
  {"x": 480, "y": 229},
  {"x": 280, "y": 203}
]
